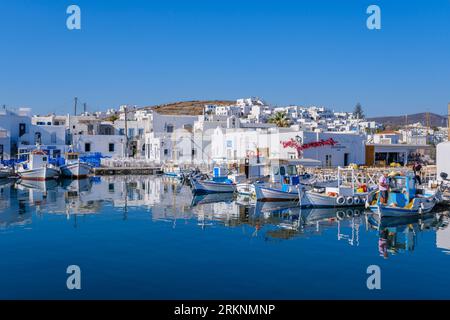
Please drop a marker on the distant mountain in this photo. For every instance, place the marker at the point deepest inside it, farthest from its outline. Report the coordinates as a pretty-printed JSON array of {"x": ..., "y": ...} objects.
[
  {"x": 435, "y": 120},
  {"x": 191, "y": 108}
]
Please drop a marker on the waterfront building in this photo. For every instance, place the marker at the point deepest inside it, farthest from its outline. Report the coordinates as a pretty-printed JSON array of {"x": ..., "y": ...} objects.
[
  {"x": 235, "y": 145},
  {"x": 386, "y": 147}
]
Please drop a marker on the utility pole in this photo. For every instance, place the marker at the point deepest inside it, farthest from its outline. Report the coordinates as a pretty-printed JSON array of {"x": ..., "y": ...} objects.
[
  {"x": 126, "y": 132},
  {"x": 448, "y": 122},
  {"x": 75, "y": 106}
]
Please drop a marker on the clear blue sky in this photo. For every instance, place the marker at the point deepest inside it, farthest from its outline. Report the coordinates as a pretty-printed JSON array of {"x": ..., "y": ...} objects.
[{"x": 287, "y": 52}]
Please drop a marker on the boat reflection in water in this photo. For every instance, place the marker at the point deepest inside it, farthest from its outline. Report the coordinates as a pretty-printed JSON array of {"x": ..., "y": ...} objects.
[
  {"x": 399, "y": 234},
  {"x": 167, "y": 200}
]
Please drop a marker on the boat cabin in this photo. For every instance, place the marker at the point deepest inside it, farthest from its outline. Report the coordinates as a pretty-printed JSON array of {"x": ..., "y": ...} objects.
[
  {"x": 36, "y": 159},
  {"x": 72, "y": 156},
  {"x": 286, "y": 173},
  {"x": 402, "y": 189}
]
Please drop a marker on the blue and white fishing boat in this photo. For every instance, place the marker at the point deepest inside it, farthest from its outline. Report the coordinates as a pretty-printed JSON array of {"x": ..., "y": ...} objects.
[
  {"x": 219, "y": 183},
  {"x": 174, "y": 172},
  {"x": 404, "y": 199},
  {"x": 75, "y": 168},
  {"x": 285, "y": 183}
]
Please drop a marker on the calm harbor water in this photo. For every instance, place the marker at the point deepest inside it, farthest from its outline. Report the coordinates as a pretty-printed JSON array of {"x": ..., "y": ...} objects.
[{"x": 148, "y": 238}]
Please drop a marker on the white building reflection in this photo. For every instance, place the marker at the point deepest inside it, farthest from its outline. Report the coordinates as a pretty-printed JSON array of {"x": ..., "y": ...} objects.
[{"x": 167, "y": 200}]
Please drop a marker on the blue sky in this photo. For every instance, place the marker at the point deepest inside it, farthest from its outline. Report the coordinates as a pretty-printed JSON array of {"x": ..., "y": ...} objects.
[{"x": 287, "y": 52}]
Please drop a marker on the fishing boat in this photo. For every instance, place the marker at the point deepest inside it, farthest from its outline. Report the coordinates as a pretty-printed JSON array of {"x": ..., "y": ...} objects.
[
  {"x": 74, "y": 167},
  {"x": 285, "y": 182},
  {"x": 173, "y": 171},
  {"x": 5, "y": 172},
  {"x": 346, "y": 193},
  {"x": 37, "y": 167},
  {"x": 404, "y": 199},
  {"x": 212, "y": 186},
  {"x": 219, "y": 183}
]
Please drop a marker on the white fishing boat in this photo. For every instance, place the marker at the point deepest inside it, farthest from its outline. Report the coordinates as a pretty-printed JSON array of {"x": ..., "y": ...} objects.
[
  {"x": 219, "y": 183},
  {"x": 347, "y": 193},
  {"x": 285, "y": 182},
  {"x": 37, "y": 167},
  {"x": 5, "y": 172},
  {"x": 211, "y": 186},
  {"x": 74, "y": 167}
]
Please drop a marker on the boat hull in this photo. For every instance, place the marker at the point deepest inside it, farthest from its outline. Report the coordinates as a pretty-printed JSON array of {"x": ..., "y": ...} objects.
[
  {"x": 200, "y": 186},
  {"x": 274, "y": 195},
  {"x": 312, "y": 199},
  {"x": 389, "y": 211},
  {"x": 4, "y": 174},
  {"x": 40, "y": 174},
  {"x": 76, "y": 170}
]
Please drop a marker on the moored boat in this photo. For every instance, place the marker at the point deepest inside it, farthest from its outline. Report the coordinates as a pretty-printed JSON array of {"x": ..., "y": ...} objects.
[
  {"x": 212, "y": 186},
  {"x": 37, "y": 167},
  {"x": 403, "y": 198},
  {"x": 285, "y": 183},
  {"x": 74, "y": 167},
  {"x": 345, "y": 194},
  {"x": 5, "y": 172}
]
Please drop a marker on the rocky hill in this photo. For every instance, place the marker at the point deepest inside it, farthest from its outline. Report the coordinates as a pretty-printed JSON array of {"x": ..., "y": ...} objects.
[
  {"x": 191, "y": 108},
  {"x": 435, "y": 120}
]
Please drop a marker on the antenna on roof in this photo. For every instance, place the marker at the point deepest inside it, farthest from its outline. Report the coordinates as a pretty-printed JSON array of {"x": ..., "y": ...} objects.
[{"x": 75, "y": 105}]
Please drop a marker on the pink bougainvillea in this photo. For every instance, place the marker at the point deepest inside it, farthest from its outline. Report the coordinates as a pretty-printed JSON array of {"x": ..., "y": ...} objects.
[{"x": 300, "y": 147}]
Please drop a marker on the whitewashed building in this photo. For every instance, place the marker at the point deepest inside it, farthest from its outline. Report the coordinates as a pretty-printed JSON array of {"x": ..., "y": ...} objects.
[{"x": 238, "y": 144}]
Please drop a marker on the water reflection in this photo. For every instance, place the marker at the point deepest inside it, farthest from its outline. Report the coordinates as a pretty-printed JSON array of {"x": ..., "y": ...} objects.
[{"x": 167, "y": 200}]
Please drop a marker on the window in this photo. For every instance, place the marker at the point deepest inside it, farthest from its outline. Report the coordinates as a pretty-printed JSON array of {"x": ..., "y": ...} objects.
[
  {"x": 44, "y": 159},
  {"x": 111, "y": 147},
  {"x": 328, "y": 160},
  {"x": 131, "y": 132},
  {"x": 87, "y": 147},
  {"x": 141, "y": 132},
  {"x": 37, "y": 138},
  {"x": 121, "y": 131},
  {"x": 169, "y": 128},
  {"x": 53, "y": 137},
  {"x": 111, "y": 187},
  {"x": 166, "y": 152},
  {"x": 282, "y": 171}
]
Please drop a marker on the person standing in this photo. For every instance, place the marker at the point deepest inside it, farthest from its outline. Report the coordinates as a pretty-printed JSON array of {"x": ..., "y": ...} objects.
[
  {"x": 417, "y": 168},
  {"x": 383, "y": 188}
]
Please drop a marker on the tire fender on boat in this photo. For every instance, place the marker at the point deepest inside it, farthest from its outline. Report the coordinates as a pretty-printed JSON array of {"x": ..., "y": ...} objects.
[
  {"x": 340, "y": 200},
  {"x": 350, "y": 200},
  {"x": 356, "y": 200}
]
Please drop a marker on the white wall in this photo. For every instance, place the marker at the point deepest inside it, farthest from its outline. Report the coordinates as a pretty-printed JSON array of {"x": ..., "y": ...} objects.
[
  {"x": 100, "y": 143},
  {"x": 442, "y": 158}
]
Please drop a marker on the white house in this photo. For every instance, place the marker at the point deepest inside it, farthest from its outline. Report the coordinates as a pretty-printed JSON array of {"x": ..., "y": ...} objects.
[{"x": 238, "y": 144}]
